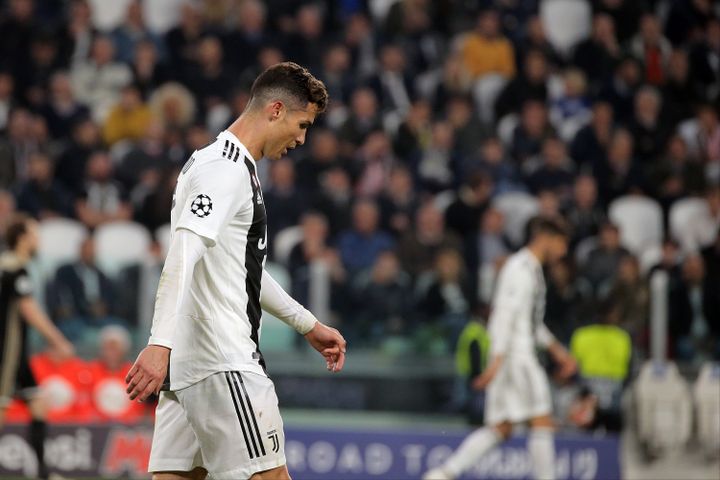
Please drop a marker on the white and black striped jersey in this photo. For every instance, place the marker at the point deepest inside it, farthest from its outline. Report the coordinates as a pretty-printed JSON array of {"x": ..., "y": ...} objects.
[{"x": 218, "y": 196}]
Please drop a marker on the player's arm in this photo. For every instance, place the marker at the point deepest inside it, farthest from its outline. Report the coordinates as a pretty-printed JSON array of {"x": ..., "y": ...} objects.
[
  {"x": 36, "y": 318},
  {"x": 326, "y": 340},
  {"x": 557, "y": 351},
  {"x": 148, "y": 373}
]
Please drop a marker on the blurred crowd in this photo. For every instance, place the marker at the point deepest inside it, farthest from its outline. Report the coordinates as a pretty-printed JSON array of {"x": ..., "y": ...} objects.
[{"x": 438, "y": 108}]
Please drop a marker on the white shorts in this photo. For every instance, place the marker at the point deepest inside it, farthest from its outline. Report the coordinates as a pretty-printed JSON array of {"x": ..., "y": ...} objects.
[
  {"x": 519, "y": 392},
  {"x": 228, "y": 423}
]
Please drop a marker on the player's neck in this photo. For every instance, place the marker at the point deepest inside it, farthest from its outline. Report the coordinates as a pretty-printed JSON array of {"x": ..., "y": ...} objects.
[
  {"x": 538, "y": 252},
  {"x": 247, "y": 129}
]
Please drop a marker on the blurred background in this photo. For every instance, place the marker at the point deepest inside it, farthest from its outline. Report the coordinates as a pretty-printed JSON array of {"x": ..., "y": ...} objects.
[{"x": 451, "y": 123}]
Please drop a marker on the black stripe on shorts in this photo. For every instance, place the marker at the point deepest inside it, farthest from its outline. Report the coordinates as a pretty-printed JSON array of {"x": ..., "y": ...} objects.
[
  {"x": 252, "y": 413},
  {"x": 237, "y": 401}
]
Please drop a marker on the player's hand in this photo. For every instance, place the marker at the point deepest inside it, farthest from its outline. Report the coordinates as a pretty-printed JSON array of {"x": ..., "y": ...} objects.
[
  {"x": 482, "y": 381},
  {"x": 330, "y": 343},
  {"x": 568, "y": 367},
  {"x": 148, "y": 373},
  {"x": 65, "y": 350}
]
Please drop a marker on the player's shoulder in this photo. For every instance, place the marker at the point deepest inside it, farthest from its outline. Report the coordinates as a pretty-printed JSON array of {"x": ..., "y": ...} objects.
[{"x": 220, "y": 159}]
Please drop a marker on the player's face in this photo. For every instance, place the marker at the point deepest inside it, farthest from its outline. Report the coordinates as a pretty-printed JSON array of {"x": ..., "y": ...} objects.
[{"x": 290, "y": 130}]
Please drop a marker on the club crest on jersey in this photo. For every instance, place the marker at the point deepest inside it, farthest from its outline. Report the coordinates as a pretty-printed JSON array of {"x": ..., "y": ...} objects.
[{"x": 201, "y": 206}]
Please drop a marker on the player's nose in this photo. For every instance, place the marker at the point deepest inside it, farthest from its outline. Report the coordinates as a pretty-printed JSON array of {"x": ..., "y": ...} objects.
[{"x": 300, "y": 139}]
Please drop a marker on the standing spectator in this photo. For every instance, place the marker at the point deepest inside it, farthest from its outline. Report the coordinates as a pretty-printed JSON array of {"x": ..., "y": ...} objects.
[
  {"x": 463, "y": 215},
  {"x": 81, "y": 295},
  {"x": 283, "y": 197},
  {"x": 129, "y": 119},
  {"x": 486, "y": 50},
  {"x": 360, "y": 246},
  {"x": 584, "y": 213},
  {"x": 104, "y": 199},
  {"x": 41, "y": 195},
  {"x": 98, "y": 81},
  {"x": 418, "y": 247},
  {"x": 61, "y": 110},
  {"x": 530, "y": 84},
  {"x": 598, "y": 55},
  {"x": 603, "y": 261},
  {"x": 652, "y": 49}
]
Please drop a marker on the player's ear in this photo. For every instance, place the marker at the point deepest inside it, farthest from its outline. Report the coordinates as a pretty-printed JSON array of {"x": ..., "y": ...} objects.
[{"x": 276, "y": 110}]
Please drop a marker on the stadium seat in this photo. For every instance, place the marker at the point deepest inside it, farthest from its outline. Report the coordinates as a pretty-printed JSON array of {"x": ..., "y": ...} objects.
[
  {"x": 583, "y": 249},
  {"x": 707, "y": 407},
  {"x": 650, "y": 257},
  {"x": 640, "y": 221},
  {"x": 686, "y": 216},
  {"x": 276, "y": 335},
  {"x": 162, "y": 235},
  {"x": 444, "y": 199},
  {"x": 517, "y": 208},
  {"x": 506, "y": 128},
  {"x": 60, "y": 240},
  {"x": 284, "y": 241},
  {"x": 119, "y": 244},
  {"x": 566, "y": 22},
  {"x": 663, "y": 408},
  {"x": 485, "y": 91}
]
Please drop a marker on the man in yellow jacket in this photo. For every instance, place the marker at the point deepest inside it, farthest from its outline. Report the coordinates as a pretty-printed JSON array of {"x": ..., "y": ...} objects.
[{"x": 486, "y": 50}]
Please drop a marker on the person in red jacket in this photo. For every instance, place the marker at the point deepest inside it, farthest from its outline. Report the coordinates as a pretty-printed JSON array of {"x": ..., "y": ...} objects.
[{"x": 108, "y": 397}]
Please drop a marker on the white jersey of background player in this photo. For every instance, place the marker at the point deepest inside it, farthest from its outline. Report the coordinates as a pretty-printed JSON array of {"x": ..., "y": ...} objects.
[
  {"x": 517, "y": 386},
  {"x": 219, "y": 412}
]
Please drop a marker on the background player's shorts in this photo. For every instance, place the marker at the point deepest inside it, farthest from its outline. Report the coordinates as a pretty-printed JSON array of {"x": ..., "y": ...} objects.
[
  {"x": 519, "y": 392},
  {"x": 19, "y": 382},
  {"x": 228, "y": 423}
]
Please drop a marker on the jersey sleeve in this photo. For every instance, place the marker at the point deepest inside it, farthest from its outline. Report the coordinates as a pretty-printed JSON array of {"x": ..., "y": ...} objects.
[
  {"x": 513, "y": 291},
  {"x": 218, "y": 189},
  {"x": 22, "y": 285}
]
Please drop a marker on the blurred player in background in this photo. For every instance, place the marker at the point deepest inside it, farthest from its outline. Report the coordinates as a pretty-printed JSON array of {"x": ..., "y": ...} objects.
[
  {"x": 17, "y": 310},
  {"x": 517, "y": 386},
  {"x": 220, "y": 413}
]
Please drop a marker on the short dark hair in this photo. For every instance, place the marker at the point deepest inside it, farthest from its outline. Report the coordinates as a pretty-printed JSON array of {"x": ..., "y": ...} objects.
[
  {"x": 288, "y": 79},
  {"x": 548, "y": 226},
  {"x": 17, "y": 227}
]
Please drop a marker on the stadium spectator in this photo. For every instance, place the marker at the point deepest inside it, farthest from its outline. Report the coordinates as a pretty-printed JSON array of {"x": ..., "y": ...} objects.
[
  {"x": 7, "y": 98},
  {"x": 619, "y": 89},
  {"x": 81, "y": 295},
  {"x": 652, "y": 49},
  {"x": 148, "y": 70},
  {"x": 72, "y": 162},
  {"x": 419, "y": 246},
  {"x": 129, "y": 119},
  {"x": 136, "y": 287},
  {"x": 242, "y": 44},
  {"x": 584, "y": 214},
  {"x": 603, "y": 261},
  {"x": 590, "y": 145},
  {"x": 17, "y": 29},
  {"x": 362, "y": 120},
  {"x": 649, "y": 131},
  {"x": 98, "y": 80},
  {"x": 680, "y": 94},
  {"x": 486, "y": 50},
  {"x": 104, "y": 199},
  {"x": 567, "y": 300},
  {"x": 392, "y": 83},
  {"x": 436, "y": 163},
  {"x": 372, "y": 162},
  {"x": 7, "y": 211},
  {"x": 360, "y": 245},
  {"x": 398, "y": 202},
  {"x": 469, "y": 131},
  {"x": 148, "y": 153},
  {"x": 554, "y": 173},
  {"x": 597, "y": 55},
  {"x": 182, "y": 40},
  {"x": 382, "y": 296},
  {"x": 621, "y": 173},
  {"x": 41, "y": 195},
  {"x": 127, "y": 36},
  {"x": 471, "y": 358},
  {"x": 109, "y": 400},
  {"x": 336, "y": 73},
  {"x": 531, "y": 132},
  {"x": 570, "y": 110},
  {"x": 530, "y": 84},
  {"x": 306, "y": 38},
  {"x": 283, "y": 196},
  {"x": 463, "y": 215},
  {"x": 484, "y": 250},
  {"x": 631, "y": 295},
  {"x": 415, "y": 129},
  {"x": 494, "y": 160},
  {"x": 335, "y": 198},
  {"x": 61, "y": 109},
  {"x": 704, "y": 70},
  {"x": 24, "y": 137}
]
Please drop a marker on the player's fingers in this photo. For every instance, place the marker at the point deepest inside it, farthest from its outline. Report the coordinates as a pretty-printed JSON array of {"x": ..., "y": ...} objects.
[
  {"x": 131, "y": 373},
  {"x": 340, "y": 362},
  {"x": 140, "y": 387},
  {"x": 134, "y": 380},
  {"x": 151, "y": 386}
]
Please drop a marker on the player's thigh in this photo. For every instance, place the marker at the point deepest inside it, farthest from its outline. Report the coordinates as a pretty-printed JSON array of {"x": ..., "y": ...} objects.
[
  {"x": 279, "y": 473},
  {"x": 175, "y": 449},
  {"x": 236, "y": 419},
  {"x": 197, "y": 473},
  {"x": 542, "y": 421}
]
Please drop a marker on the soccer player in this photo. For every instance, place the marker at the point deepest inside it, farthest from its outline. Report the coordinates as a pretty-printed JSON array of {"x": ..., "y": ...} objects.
[
  {"x": 219, "y": 414},
  {"x": 517, "y": 386},
  {"x": 17, "y": 310}
]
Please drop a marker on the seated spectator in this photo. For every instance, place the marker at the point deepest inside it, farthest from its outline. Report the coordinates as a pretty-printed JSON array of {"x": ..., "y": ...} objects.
[
  {"x": 630, "y": 293},
  {"x": 495, "y": 162},
  {"x": 399, "y": 202},
  {"x": 373, "y": 161},
  {"x": 41, "y": 195},
  {"x": 669, "y": 261},
  {"x": 604, "y": 354},
  {"x": 25, "y": 135},
  {"x": 571, "y": 108},
  {"x": 382, "y": 296},
  {"x": 680, "y": 94},
  {"x": 485, "y": 50},
  {"x": 418, "y": 247},
  {"x": 445, "y": 303},
  {"x": 484, "y": 250},
  {"x": 436, "y": 163},
  {"x": 530, "y": 84},
  {"x": 590, "y": 145},
  {"x": 567, "y": 300},
  {"x": 81, "y": 295},
  {"x": 535, "y": 39},
  {"x": 604, "y": 260},
  {"x": 706, "y": 72},
  {"x": 414, "y": 130},
  {"x": 62, "y": 110},
  {"x": 692, "y": 323},
  {"x": 621, "y": 173},
  {"x": 597, "y": 55},
  {"x": 336, "y": 73},
  {"x": 676, "y": 174},
  {"x": 530, "y": 133},
  {"x": 211, "y": 78},
  {"x": 283, "y": 197},
  {"x": 360, "y": 245},
  {"x": 97, "y": 81},
  {"x": 155, "y": 200},
  {"x": 147, "y": 69},
  {"x": 72, "y": 162},
  {"x": 619, "y": 90},
  {"x": 7, "y": 98},
  {"x": 104, "y": 200},
  {"x": 455, "y": 81},
  {"x": 584, "y": 213},
  {"x": 463, "y": 215},
  {"x": 174, "y": 105},
  {"x": 334, "y": 199},
  {"x": 649, "y": 131},
  {"x": 652, "y": 49},
  {"x": 555, "y": 171},
  {"x": 468, "y": 130},
  {"x": 363, "y": 119},
  {"x": 149, "y": 153},
  {"x": 133, "y": 30},
  {"x": 109, "y": 399},
  {"x": 129, "y": 119},
  {"x": 324, "y": 154},
  {"x": 393, "y": 84}
]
